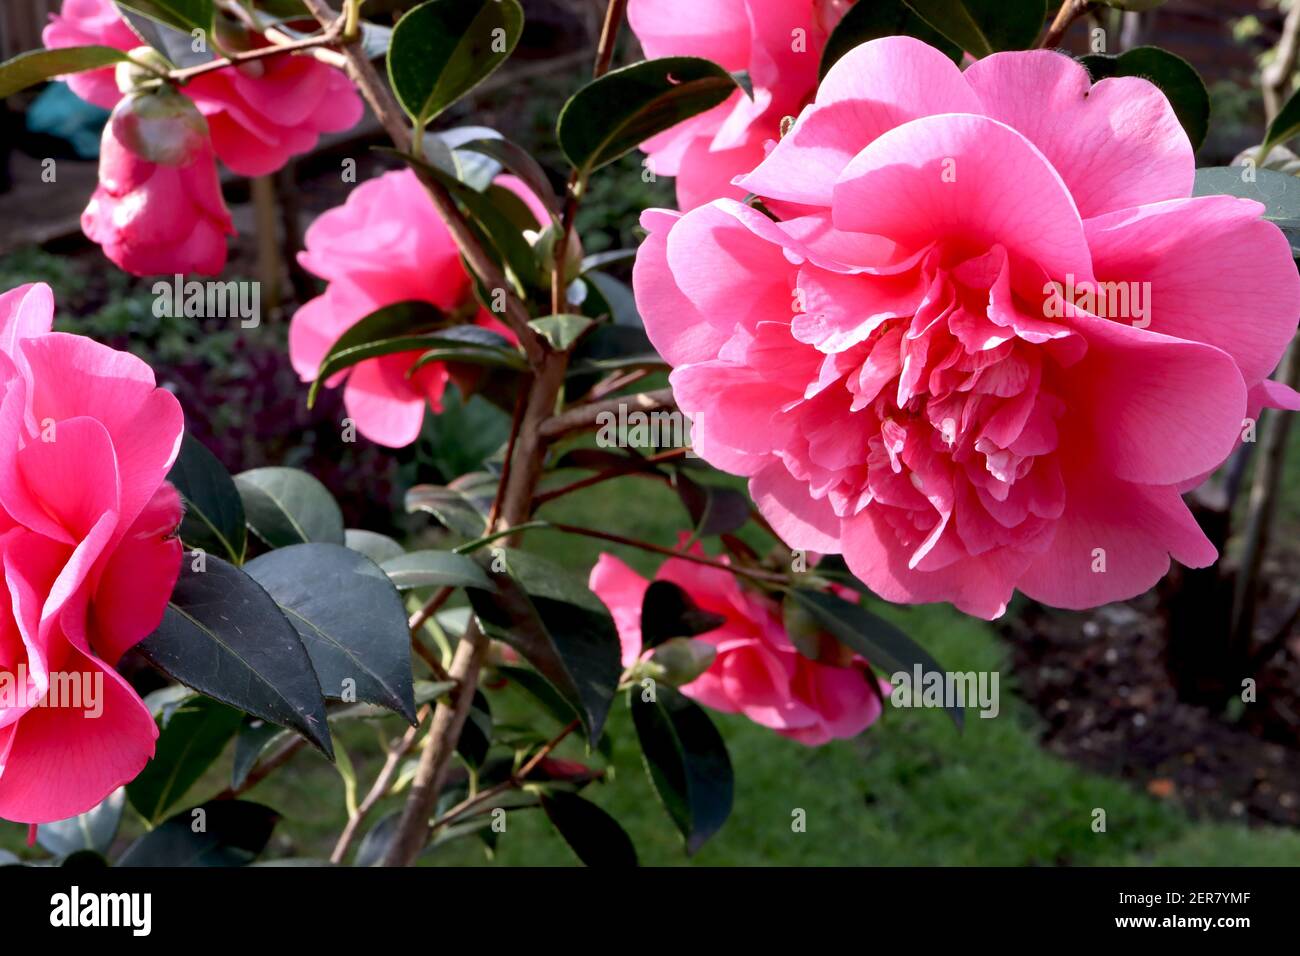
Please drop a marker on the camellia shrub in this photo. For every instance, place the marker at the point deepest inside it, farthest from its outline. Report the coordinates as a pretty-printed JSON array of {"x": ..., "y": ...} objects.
[{"x": 956, "y": 306}]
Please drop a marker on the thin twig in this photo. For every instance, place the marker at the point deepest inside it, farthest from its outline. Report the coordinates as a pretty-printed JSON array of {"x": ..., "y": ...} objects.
[
  {"x": 1070, "y": 11},
  {"x": 381, "y": 786},
  {"x": 264, "y": 769},
  {"x": 330, "y": 37},
  {"x": 389, "y": 113},
  {"x": 768, "y": 577},
  {"x": 516, "y": 779},
  {"x": 582, "y": 417}
]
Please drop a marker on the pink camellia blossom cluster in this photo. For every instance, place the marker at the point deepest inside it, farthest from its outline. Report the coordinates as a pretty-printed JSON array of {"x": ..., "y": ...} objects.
[
  {"x": 757, "y": 671},
  {"x": 258, "y": 116},
  {"x": 406, "y": 254},
  {"x": 778, "y": 43},
  {"x": 88, "y": 554},
  {"x": 893, "y": 368}
]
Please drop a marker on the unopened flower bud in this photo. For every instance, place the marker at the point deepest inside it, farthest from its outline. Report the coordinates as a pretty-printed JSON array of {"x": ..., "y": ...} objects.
[
  {"x": 142, "y": 70},
  {"x": 161, "y": 126},
  {"x": 682, "y": 659}
]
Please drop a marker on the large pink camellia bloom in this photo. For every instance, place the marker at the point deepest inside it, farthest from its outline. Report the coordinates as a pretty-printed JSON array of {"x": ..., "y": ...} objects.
[
  {"x": 155, "y": 218},
  {"x": 778, "y": 43},
  {"x": 992, "y": 338},
  {"x": 88, "y": 555},
  {"x": 757, "y": 671},
  {"x": 385, "y": 244},
  {"x": 260, "y": 114}
]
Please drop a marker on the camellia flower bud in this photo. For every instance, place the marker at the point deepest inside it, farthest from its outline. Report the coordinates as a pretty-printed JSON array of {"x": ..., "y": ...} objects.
[
  {"x": 682, "y": 659},
  {"x": 161, "y": 126},
  {"x": 141, "y": 71}
]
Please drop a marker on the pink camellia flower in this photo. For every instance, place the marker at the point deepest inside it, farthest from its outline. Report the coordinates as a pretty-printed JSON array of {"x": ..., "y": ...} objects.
[
  {"x": 88, "y": 556},
  {"x": 778, "y": 43},
  {"x": 994, "y": 339},
  {"x": 158, "y": 217},
  {"x": 385, "y": 245},
  {"x": 757, "y": 672},
  {"x": 261, "y": 113}
]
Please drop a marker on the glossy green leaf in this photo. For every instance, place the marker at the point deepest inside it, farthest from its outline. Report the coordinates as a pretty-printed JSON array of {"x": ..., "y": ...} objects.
[
  {"x": 350, "y": 618},
  {"x": 442, "y": 49},
  {"x": 286, "y": 506},
  {"x": 519, "y": 162},
  {"x": 981, "y": 27},
  {"x": 687, "y": 761},
  {"x": 1284, "y": 126},
  {"x": 591, "y": 833},
  {"x": 562, "y": 331},
  {"x": 93, "y": 830},
  {"x": 184, "y": 15},
  {"x": 436, "y": 569},
  {"x": 37, "y": 66},
  {"x": 449, "y": 506},
  {"x": 549, "y": 616},
  {"x": 224, "y": 636},
  {"x": 214, "y": 513},
  {"x": 375, "y": 546},
  {"x": 191, "y": 740},
  {"x": 1279, "y": 193},
  {"x": 400, "y": 327},
  {"x": 233, "y": 833},
  {"x": 863, "y": 22},
  {"x": 1175, "y": 77},
  {"x": 885, "y": 647},
  {"x": 612, "y": 115},
  {"x": 667, "y": 611}
]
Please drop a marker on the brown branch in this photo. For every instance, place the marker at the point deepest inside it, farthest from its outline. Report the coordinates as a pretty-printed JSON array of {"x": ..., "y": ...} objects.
[
  {"x": 582, "y": 417},
  {"x": 516, "y": 779},
  {"x": 1070, "y": 11},
  {"x": 264, "y": 769},
  {"x": 768, "y": 577},
  {"x": 330, "y": 37},
  {"x": 389, "y": 113},
  {"x": 380, "y": 787}
]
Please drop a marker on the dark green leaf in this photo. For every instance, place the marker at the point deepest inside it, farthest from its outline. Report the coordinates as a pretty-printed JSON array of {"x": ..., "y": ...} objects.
[
  {"x": 374, "y": 845},
  {"x": 93, "y": 830},
  {"x": 561, "y": 330},
  {"x": 609, "y": 296},
  {"x": 184, "y": 15},
  {"x": 350, "y": 618},
  {"x": 537, "y": 687},
  {"x": 713, "y": 509},
  {"x": 885, "y": 647},
  {"x": 1285, "y": 125},
  {"x": 882, "y": 18},
  {"x": 1175, "y": 77},
  {"x": 444, "y": 48},
  {"x": 425, "y": 569},
  {"x": 377, "y": 547},
  {"x": 476, "y": 737},
  {"x": 981, "y": 27},
  {"x": 214, "y": 512},
  {"x": 667, "y": 612},
  {"x": 591, "y": 833},
  {"x": 226, "y": 637},
  {"x": 286, "y": 506},
  {"x": 549, "y": 616},
  {"x": 401, "y": 327},
  {"x": 192, "y": 738},
  {"x": 255, "y": 738},
  {"x": 687, "y": 762},
  {"x": 37, "y": 66},
  {"x": 219, "y": 833},
  {"x": 611, "y": 116},
  {"x": 449, "y": 506},
  {"x": 519, "y": 162},
  {"x": 1279, "y": 193}
]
